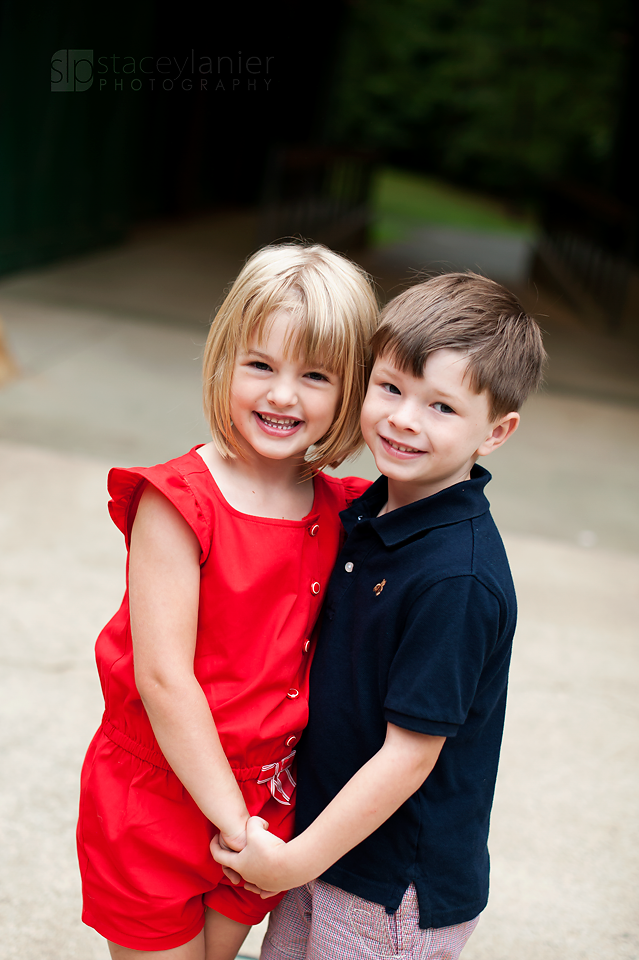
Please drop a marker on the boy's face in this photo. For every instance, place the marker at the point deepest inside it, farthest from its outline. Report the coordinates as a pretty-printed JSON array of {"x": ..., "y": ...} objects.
[{"x": 426, "y": 432}]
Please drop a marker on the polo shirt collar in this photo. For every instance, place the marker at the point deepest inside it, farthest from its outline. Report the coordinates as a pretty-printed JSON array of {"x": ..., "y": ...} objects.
[{"x": 462, "y": 501}]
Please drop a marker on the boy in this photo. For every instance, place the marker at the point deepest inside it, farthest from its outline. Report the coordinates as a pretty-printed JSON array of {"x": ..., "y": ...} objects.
[{"x": 397, "y": 767}]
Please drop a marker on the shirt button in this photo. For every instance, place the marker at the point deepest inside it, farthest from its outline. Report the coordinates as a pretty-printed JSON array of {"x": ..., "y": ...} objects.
[
  {"x": 348, "y": 567},
  {"x": 315, "y": 588},
  {"x": 293, "y": 694},
  {"x": 291, "y": 741},
  {"x": 360, "y": 518},
  {"x": 314, "y": 530},
  {"x": 307, "y": 646}
]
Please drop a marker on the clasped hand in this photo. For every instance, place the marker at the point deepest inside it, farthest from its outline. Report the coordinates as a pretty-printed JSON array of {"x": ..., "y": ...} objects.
[{"x": 257, "y": 865}]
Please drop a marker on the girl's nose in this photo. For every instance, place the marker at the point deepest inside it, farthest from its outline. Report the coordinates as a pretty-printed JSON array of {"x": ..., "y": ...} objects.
[{"x": 282, "y": 393}]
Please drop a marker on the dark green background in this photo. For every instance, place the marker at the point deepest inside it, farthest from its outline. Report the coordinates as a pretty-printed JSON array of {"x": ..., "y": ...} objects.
[{"x": 499, "y": 95}]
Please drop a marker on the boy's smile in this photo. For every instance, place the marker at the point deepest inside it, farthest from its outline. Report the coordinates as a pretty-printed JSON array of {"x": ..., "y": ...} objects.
[{"x": 426, "y": 432}]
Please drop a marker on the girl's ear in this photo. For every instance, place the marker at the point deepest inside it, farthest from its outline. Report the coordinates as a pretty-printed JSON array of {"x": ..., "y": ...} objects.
[{"x": 500, "y": 432}]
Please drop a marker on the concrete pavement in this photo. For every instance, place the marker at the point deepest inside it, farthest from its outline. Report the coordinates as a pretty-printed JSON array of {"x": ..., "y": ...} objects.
[{"x": 109, "y": 353}]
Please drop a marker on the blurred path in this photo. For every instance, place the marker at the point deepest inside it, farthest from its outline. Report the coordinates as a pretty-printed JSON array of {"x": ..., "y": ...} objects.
[{"x": 101, "y": 383}]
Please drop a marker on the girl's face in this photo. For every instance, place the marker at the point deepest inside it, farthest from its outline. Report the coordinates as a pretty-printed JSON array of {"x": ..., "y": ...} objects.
[{"x": 280, "y": 406}]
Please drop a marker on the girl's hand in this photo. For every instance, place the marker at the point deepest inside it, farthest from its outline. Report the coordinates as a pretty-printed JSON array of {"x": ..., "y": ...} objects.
[
  {"x": 258, "y": 864},
  {"x": 235, "y": 843},
  {"x": 231, "y": 844}
]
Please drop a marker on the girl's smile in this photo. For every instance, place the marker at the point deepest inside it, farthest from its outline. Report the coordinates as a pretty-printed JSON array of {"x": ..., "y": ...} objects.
[{"x": 281, "y": 425}]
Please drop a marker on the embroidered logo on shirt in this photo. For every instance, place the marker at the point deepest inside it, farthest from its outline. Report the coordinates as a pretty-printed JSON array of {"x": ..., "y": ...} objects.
[{"x": 379, "y": 587}]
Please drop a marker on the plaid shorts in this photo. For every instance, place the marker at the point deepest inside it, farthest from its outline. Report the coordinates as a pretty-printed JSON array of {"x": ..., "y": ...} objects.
[{"x": 321, "y": 922}]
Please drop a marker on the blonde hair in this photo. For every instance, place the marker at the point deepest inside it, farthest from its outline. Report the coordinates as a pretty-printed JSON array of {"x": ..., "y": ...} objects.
[{"x": 334, "y": 314}]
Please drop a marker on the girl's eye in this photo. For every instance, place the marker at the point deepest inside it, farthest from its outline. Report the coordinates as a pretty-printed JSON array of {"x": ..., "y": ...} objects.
[
  {"x": 391, "y": 388},
  {"x": 443, "y": 407},
  {"x": 259, "y": 365},
  {"x": 316, "y": 375}
]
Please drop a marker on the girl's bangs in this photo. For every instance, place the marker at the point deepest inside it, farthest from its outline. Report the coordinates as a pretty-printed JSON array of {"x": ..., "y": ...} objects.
[{"x": 315, "y": 334}]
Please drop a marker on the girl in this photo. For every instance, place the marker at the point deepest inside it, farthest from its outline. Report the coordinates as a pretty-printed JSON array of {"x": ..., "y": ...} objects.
[{"x": 204, "y": 668}]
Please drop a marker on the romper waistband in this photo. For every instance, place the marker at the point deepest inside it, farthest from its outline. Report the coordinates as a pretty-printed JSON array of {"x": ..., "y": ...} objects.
[
  {"x": 132, "y": 746},
  {"x": 159, "y": 760}
]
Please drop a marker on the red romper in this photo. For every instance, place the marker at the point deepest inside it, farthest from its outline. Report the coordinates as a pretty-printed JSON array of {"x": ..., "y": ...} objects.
[{"x": 147, "y": 871}]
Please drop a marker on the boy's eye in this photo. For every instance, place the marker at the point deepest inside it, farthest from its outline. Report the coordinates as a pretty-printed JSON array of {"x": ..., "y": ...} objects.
[
  {"x": 443, "y": 407},
  {"x": 391, "y": 388}
]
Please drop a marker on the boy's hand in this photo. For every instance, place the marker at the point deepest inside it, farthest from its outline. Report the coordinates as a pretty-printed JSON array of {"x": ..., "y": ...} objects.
[{"x": 259, "y": 863}]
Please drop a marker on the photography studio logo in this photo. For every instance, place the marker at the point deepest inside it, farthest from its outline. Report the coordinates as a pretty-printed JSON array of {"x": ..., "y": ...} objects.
[{"x": 71, "y": 71}]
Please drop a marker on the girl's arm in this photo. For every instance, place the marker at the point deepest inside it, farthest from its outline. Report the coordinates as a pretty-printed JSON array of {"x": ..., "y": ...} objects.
[
  {"x": 164, "y": 592},
  {"x": 369, "y": 798}
]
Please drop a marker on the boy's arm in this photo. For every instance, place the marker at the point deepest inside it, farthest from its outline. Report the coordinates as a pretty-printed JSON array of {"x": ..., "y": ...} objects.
[
  {"x": 460, "y": 616},
  {"x": 369, "y": 798}
]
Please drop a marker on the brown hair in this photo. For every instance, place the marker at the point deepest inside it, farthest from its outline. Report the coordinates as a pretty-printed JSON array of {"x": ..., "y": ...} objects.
[
  {"x": 333, "y": 311},
  {"x": 469, "y": 313}
]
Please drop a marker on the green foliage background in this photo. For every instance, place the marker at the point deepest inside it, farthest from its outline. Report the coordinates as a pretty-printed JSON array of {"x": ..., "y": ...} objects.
[{"x": 501, "y": 94}]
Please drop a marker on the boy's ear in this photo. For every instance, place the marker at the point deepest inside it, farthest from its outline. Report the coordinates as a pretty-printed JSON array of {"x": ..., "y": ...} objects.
[{"x": 501, "y": 430}]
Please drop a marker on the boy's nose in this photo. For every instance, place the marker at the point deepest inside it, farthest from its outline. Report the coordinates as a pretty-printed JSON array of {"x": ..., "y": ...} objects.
[{"x": 404, "y": 417}]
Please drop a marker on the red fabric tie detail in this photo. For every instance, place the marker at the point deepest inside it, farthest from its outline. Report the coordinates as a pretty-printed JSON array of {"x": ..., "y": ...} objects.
[{"x": 274, "y": 772}]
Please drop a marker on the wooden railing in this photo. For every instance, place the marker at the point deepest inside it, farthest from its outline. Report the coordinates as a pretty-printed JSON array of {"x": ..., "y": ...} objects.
[
  {"x": 588, "y": 249},
  {"x": 317, "y": 193}
]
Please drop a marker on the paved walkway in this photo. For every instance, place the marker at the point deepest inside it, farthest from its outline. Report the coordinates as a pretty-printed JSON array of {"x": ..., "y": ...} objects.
[{"x": 109, "y": 351}]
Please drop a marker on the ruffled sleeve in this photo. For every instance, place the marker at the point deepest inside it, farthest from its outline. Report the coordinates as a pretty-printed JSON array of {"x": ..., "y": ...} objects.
[
  {"x": 354, "y": 487},
  {"x": 126, "y": 486}
]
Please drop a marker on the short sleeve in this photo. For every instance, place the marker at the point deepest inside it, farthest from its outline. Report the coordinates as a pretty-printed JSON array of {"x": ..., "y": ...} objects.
[
  {"x": 449, "y": 633},
  {"x": 127, "y": 485},
  {"x": 354, "y": 487}
]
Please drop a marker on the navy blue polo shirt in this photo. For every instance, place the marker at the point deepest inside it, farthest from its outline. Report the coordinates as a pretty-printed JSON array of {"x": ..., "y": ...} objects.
[{"x": 417, "y": 631}]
